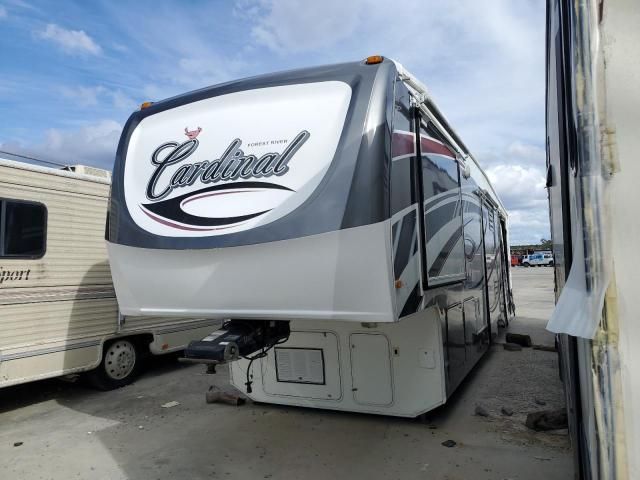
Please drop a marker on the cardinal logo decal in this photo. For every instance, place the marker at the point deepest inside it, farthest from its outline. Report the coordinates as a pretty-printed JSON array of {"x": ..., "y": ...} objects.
[{"x": 234, "y": 189}]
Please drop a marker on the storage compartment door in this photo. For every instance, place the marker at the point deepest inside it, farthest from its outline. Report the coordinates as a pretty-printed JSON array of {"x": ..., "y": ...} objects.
[
  {"x": 455, "y": 342},
  {"x": 371, "y": 369}
]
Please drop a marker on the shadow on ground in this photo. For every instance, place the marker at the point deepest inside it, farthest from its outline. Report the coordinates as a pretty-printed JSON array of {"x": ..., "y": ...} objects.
[{"x": 70, "y": 431}]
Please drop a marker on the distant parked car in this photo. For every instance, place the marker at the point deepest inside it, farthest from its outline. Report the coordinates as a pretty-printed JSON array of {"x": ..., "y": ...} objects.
[{"x": 539, "y": 259}]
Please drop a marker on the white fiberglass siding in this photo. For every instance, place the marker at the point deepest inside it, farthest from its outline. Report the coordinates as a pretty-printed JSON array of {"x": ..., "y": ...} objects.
[{"x": 341, "y": 275}]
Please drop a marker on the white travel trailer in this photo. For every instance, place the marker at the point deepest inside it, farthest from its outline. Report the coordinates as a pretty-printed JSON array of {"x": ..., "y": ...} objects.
[
  {"x": 593, "y": 99},
  {"x": 332, "y": 218},
  {"x": 58, "y": 311}
]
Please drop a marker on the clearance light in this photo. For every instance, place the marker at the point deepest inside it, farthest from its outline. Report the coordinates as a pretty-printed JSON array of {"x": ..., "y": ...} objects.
[
  {"x": 145, "y": 105},
  {"x": 374, "y": 59}
]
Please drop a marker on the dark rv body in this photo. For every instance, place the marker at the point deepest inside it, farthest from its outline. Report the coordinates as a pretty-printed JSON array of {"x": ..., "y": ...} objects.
[{"x": 382, "y": 247}]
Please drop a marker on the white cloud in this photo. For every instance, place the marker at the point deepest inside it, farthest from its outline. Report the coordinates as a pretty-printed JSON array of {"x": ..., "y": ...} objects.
[
  {"x": 528, "y": 227},
  {"x": 525, "y": 153},
  {"x": 154, "y": 92},
  {"x": 119, "y": 47},
  {"x": 22, "y": 4},
  {"x": 71, "y": 41},
  {"x": 92, "y": 96},
  {"x": 522, "y": 190},
  {"x": 192, "y": 71},
  {"x": 92, "y": 144},
  {"x": 205, "y": 68},
  {"x": 83, "y": 96},
  {"x": 517, "y": 172},
  {"x": 95, "y": 143},
  {"x": 289, "y": 26},
  {"x": 123, "y": 101}
]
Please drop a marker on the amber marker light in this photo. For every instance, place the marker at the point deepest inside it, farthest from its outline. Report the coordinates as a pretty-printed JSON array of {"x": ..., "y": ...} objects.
[
  {"x": 374, "y": 59},
  {"x": 144, "y": 105}
]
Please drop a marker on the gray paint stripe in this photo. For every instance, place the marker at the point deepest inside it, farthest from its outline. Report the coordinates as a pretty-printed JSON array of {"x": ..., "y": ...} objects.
[
  {"x": 93, "y": 343},
  {"x": 24, "y": 295},
  {"x": 191, "y": 326},
  {"x": 46, "y": 351}
]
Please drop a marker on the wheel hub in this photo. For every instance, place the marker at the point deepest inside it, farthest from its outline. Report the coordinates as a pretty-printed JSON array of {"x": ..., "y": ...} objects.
[{"x": 120, "y": 359}]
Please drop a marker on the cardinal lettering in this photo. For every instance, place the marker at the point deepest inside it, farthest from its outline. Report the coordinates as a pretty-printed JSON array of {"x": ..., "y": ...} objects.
[{"x": 232, "y": 165}]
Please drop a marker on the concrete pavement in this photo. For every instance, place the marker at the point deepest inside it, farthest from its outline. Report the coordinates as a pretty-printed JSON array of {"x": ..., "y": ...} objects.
[{"x": 69, "y": 431}]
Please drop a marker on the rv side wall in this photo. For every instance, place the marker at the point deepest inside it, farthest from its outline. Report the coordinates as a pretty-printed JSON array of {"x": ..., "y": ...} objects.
[
  {"x": 592, "y": 103},
  {"x": 54, "y": 316},
  {"x": 621, "y": 39}
]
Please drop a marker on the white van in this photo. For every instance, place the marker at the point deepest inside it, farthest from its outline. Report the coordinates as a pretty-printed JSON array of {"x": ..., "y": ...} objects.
[
  {"x": 539, "y": 259},
  {"x": 58, "y": 310}
]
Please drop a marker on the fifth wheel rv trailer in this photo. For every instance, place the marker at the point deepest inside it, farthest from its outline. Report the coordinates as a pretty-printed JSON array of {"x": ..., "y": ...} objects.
[
  {"x": 58, "y": 311},
  {"x": 593, "y": 100},
  {"x": 331, "y": 217}
]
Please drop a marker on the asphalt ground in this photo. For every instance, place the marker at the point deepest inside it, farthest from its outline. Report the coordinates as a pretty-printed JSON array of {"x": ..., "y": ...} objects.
[{"x": 59, "y": 430}]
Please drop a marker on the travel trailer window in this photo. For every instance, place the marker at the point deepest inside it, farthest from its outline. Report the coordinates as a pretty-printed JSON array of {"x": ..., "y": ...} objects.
[
  {"x": 22, "y": 229},
  {"x": 443, "y": 212}
]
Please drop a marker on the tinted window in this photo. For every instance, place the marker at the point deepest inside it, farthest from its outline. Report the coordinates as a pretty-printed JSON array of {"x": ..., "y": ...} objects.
[
  {"x": 403, "y": 250},
  {"x": 23, "y": 229},
  {"x": 443, "y": 210}
]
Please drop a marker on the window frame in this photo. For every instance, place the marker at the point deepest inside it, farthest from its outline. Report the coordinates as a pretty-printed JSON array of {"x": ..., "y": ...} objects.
[
  {"x": 440, "y": 281},
  {"x": 3, "y": 229}
]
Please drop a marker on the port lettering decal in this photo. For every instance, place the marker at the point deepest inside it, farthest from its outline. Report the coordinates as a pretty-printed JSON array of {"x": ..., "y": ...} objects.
[{"x": 7, "y": 276}]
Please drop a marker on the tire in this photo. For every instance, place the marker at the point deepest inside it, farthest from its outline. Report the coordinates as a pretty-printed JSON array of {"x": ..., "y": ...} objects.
[
  {"x": 551, "y": 264},
  {"x": 120, "y": 365},
  {"x": 526, "y": 264}
]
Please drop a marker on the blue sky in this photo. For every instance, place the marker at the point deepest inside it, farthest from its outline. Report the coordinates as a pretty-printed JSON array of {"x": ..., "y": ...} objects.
[{"x": 72, "y": 72}]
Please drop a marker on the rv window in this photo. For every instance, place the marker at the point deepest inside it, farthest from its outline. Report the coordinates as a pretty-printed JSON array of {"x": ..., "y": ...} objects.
[
  {"x": 443, "y": 213},
  {"x": 23, "y": 229}
]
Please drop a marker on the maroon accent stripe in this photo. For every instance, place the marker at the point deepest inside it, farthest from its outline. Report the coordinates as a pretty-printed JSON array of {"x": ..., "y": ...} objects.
[
  {"x": 403, "y": 143},
  {"x": 214, "y": 194},
  {"x": 182, "y": 227},
  {"x": 431, "y": 145}
]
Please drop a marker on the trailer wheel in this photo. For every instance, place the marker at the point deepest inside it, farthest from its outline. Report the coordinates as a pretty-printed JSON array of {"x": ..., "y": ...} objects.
[{"x": 119, "y": 367}]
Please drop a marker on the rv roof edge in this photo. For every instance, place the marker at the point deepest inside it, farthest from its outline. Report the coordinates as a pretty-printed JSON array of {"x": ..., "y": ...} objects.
[
  {"x": 428, "y": 106},
  {"x": 61, "y": 172}
]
